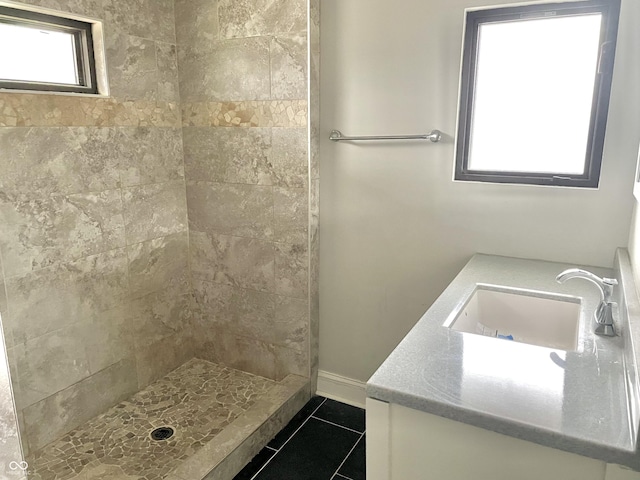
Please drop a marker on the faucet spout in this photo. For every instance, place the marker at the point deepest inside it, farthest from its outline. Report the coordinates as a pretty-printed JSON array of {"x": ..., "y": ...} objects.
[{"x": 604, "y": 313}]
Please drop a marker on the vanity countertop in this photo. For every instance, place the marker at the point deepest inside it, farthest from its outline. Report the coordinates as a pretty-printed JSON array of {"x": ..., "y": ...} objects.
[{"x": 583, "y": 402}]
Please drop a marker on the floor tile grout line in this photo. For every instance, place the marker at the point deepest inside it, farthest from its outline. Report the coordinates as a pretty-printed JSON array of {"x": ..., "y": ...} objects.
[
  {"x": 336, "y": 425},
  {"x": 271, "y": 448},
  {"x": 347, "y": 456},
  {"x": 341, "y": 476},
  {"x": 288, "y": 440}
]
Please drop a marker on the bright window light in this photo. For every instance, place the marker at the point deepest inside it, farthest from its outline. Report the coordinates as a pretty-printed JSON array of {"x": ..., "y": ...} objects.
[
  {"x": 546, "y": 68},
  {"x": 46, "y": 52},
  {"x": 51, "y": 55},
  {"x": 534, "y": 98}
]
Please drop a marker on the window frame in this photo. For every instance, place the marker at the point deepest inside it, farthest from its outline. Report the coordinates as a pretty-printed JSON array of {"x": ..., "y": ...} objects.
[
  {"x": 83, "y": 50},
  {"x": 610, "y": 10}
]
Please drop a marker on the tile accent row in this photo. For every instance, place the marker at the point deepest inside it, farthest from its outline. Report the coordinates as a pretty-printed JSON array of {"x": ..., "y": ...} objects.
[
  {"x": 43, "y": 110},
  {"x": 267, "y": 113}
]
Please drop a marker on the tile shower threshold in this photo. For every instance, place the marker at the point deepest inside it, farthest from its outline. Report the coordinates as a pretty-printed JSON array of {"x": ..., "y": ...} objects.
[{"x": 220, "y": 417}]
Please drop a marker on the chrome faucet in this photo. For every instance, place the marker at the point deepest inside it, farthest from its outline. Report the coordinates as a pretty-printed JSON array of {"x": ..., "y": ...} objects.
[{"x": 603, "y": 314}]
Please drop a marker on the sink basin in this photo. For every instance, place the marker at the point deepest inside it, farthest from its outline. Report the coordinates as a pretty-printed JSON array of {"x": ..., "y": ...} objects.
[{"x": 536, "y": 318}]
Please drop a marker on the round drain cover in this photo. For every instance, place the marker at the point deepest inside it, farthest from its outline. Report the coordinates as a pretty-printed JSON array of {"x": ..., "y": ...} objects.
[{"x": 162, "y": 433}]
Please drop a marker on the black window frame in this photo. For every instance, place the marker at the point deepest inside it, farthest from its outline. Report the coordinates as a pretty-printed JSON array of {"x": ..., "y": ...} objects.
[
  {"x": 610, "y": 10},
  {"x": 83, "y": 43}
]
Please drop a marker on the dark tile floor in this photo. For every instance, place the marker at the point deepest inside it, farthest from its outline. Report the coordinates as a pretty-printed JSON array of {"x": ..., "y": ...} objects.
[{"x": 324, "y": 441}]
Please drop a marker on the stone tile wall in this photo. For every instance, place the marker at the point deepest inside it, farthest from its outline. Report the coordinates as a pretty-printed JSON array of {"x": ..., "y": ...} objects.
[
  {"x": 244, "y": 90},
  {"x": 108, "y": 285},
  {"x": 93, "y": 228}
]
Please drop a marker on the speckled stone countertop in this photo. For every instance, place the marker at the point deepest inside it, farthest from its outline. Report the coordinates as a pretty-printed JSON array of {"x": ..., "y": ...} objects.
[{"x": 584, "y": 401}]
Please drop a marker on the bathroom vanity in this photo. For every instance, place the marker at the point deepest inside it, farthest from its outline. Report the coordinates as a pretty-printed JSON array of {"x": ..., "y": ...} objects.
[{"x": 536, "y": 396}]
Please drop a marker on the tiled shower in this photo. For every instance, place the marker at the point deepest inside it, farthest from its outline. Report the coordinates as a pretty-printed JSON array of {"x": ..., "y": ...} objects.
[{"x": 173, "y": 222}]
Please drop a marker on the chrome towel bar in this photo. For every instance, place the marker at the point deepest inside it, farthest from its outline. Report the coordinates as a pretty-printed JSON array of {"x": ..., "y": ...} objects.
[{"x": 433, "y": 135}]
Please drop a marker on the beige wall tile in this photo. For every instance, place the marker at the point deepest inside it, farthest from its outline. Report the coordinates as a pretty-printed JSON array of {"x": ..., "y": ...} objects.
[
  {"x": 240, "y": 311},
  {"x": 230, "y": 70},
  {"x": 289, "y": 67},
  {"x": 133, "y": 67},
  {"x": 149, "y": 155},
  {"x": 108, "y": 338},
  {"x": 289, "y": 157},
  {"x": 159, "y": 315},
  {"x": 229, "y": 155},
  {"x": 91, "y": 8},
  {"x": 239, "y": 261},
  {"x": 238, "y": 352},
  {"x": 153, "y": 211},
  {"x": 291, "y": 269},
  {"x": 168, "y": 84},
  {"x": 40, "y": 232},
  {"x": 290, "y": 361},
  {"x": 159, "y": 264},
  {"x": 196, "y": 23},
  {"x": 270, "y": 113},
  {"x": 49, "y": 419},
  {"x": 43, "y": 161},
  {"x": 152, "y": 19},
  {"x": 49, "y": 299},
  {"x": 291, "y": 328},
  {"x": 48, "y": 364},
  {"x": 291, "y": 217},
  {"x": 247, "y": 18},
  {"x": 240, "y": 210},
  {"x": 159, "y": 358}
]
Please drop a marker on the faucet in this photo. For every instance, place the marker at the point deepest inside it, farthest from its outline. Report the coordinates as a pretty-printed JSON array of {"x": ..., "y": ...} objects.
[{"x": 603, "y": 314}]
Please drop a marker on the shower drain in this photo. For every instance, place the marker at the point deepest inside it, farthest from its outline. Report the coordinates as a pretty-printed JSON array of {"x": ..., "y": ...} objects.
[{"x": 162, "y": 433}]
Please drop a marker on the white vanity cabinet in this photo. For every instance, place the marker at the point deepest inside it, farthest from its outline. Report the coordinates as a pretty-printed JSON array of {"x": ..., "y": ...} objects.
[
  {"x": 407, "y": 444},
  {"x": 453, "y": 404}
]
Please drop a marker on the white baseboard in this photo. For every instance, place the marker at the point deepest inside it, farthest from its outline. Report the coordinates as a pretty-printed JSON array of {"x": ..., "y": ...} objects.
[{"x": 342, "y": 389}]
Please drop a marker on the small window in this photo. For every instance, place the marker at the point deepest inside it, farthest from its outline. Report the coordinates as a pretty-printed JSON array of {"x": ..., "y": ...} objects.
[
  {"x": 45, "y": 52},
  {"x": 534, "y": 93}
]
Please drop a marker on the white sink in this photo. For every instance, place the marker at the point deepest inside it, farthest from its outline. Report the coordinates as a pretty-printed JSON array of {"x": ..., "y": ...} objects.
[{"x": 536, "y": 318}]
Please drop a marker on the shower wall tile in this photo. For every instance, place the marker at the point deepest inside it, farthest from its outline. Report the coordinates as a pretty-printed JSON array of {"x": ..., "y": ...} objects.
[
  {"x": 288, "y": 157},
  {"x": 291, "y": 215},
  {"x": 31, "y": 110},
  {"x": 153, "y": 211},
  {"x": 291, "y": 270},
  {"x": 291, "y": 361},
  {"x": 238, "y": 352},
  {"x": 90, "y": 8},
  {"x": 239, "y": 311},
  {"x": 39, "y": 232},
  {"x": 149, "y": 155},
  {"x": 93, "y": 227},
  {"x": 48, "y": 364},
  {"x": 43, "y": 161},
  {"x": 228, "y": 155},
  {"x": 159, "y": 264},
  {"x": 231, "y": 209},
  {"x": 158, "y": 315},
  {"x": 269, "y": 113},
  {"x": 54, "y": 416},
  {"x": 168, "y": 83},
  {"x": 291, "y": 327},
  {"x": 153, "y": 19},
  {"x": 289, "y": 67},
  {"x": 133, "y": 67},
  {"x": 159, "y": 358},
  {"x": 230, "y": 70},
  {"x": 239, "y": 261},
  {"x": 196, "y": 23},
  {"x": 248, "y": 18},
  {"x": 9, "y": 430},
  {"x": 108, "y": 338},
  {"x": 52, "y": 298}
]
